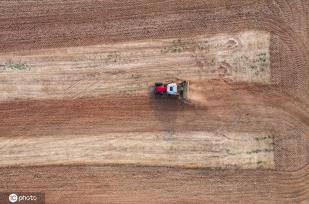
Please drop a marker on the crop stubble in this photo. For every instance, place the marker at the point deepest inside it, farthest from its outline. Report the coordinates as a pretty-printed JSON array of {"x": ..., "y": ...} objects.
[{"x": 229, "y": 107}]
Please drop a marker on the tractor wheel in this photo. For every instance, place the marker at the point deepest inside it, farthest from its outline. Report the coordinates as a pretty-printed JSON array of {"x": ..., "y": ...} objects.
[
  {"x": 158, "y": 95},
  {"x": 158, "y": 84}
]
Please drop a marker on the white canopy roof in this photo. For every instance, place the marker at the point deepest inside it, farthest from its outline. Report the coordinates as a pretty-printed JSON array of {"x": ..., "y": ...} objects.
[{"x": 171, "y": 88}]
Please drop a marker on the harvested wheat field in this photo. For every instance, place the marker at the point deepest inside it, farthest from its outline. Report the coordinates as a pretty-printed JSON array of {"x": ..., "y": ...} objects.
[{"x": 80, "y": 124}]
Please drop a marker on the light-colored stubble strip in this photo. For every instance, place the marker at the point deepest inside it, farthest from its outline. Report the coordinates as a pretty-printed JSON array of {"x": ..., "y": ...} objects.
[
  {"x": 129, "y": 68},
  {"x": 189, "y": 149}
]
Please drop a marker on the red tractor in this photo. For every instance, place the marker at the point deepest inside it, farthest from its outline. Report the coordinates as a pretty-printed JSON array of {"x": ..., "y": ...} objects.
[{"x": 172, "y": 89}]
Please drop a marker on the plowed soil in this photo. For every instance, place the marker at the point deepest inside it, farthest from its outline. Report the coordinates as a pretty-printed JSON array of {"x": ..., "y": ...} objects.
[{"x": 78, "y": 122}]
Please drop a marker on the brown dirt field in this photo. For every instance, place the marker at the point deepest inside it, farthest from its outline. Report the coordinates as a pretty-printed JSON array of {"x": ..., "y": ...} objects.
[
  {"x": 247, "y": 110},
  {"x": 25, "y": 25},
  {"x": 134, "y": 184},
  {"x": 79, "y": 142}
]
